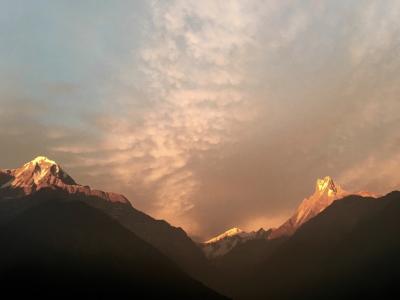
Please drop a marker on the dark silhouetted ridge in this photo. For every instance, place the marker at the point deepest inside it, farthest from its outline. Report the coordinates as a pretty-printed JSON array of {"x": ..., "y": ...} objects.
[{"x": 62, "y": 247}]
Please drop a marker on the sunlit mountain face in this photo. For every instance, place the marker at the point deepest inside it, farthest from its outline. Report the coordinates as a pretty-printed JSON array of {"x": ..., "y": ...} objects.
[
  {"x": 208, "y": 149},
  {"x": 43, "y": 172},
  {"x": 326, "y": 191}
]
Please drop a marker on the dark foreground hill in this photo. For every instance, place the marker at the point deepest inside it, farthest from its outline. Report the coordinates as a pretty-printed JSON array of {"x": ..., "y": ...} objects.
[
  {"x": 349, "y": 251},
  {"x": 65, "y": 248}
]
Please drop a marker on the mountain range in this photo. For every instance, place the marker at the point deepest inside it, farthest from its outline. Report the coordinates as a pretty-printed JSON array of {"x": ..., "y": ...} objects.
[
  {"x": 43, "y": 173},
  {"x": 40, "y": 180},
  {"x": 61, "y": 238},
  {"x": 326, "y": 192},
  {"x": 348, "y": 251}
]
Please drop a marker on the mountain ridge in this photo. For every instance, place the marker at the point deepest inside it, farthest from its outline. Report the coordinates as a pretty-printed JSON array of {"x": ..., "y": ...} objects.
[
  {"x": 64, "y": 247},
  {"x": 229, "y": 233},
  {"x": 44, "y": 173},
  {"x": 325, "y": 193},
  {"x": 228, "y": 240},
  {"x": 348, "y": 251}
]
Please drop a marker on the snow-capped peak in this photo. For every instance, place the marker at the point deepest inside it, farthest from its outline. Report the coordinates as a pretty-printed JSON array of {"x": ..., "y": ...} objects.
[
  {"x": 326, "y": 191},
  {"x": 42, "y": 166},
  {"x": 231, "y": 232},
  {"x": 42, "y": 172},
  {"x": 225, "y": 242},
  {"x": 326, "y": 185},
  {"x": 37, "y": 173},
  {"x": 41, "y": 160}
]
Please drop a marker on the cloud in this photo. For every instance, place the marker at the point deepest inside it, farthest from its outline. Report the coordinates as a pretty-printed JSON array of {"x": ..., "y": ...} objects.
[
  {"x": 374, "y": 174},
  {"x": 192, "y": 65},
  {"x": 206, "y": 113},
  {"x": 378, "y": 31},
  {"x": 377, "y": 141}
]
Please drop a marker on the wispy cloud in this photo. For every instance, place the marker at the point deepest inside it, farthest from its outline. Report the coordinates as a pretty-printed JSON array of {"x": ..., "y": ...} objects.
[
  {"x": 377, "y": 33},
  {"x": 192, "y": 63}
]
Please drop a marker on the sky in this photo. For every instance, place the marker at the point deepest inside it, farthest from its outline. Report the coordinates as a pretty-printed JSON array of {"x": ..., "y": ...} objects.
[{"x": 208, "y": 114}]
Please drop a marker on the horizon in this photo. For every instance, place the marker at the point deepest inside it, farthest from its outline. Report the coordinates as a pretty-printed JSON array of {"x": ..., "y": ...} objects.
[
  {"x": 323, "y": 184},
  {"x": 210, "y": 116}
]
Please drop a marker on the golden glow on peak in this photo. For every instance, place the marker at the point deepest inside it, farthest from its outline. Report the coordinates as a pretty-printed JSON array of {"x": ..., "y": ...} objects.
[
  {"x": 36, "y": 171},
  {"x": 43, "y": 159},
  {"x": 231, "y": 232},
  {"x": 323, "y": 184}
]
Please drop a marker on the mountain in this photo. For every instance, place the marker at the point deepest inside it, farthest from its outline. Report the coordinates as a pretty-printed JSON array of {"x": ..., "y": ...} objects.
[
  {"x": 43, "y": 173},
  {"x": 229, "y": 233},
  {"x": 63, "y": 248},
  {"x": 326, "y": 191},
  {"x": 348, "y": 251},
  {"x": 345, "y": 249},
  {"x": 233, "y": 269},
  {"x": 36, "y": 174},
  {"x": 225, "y": 242}
]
